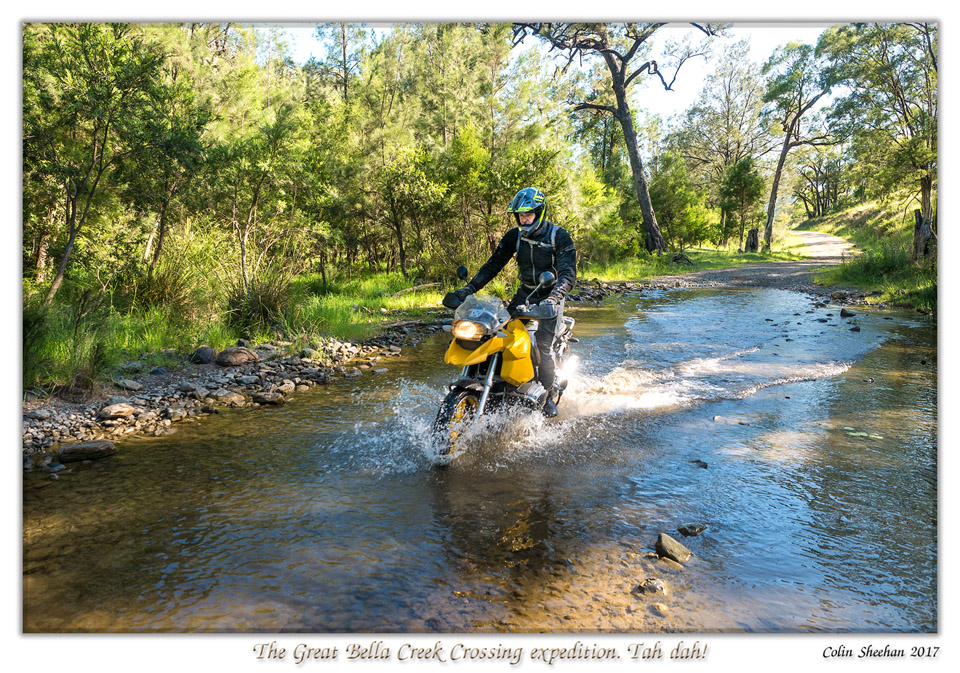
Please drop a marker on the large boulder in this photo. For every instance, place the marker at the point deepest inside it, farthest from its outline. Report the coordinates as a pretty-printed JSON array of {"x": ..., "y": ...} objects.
[
  {"x": 225, "y": 396},
  {"x": 204, "y": 355},
  {"x": 236, "y": 356},
  {"x": 70, "y": 453},
  {"x": 121, "y": 410}
]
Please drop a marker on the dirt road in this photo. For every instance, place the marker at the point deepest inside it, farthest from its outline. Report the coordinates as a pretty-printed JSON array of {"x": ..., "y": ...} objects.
[{"x": 821, "y": 250}]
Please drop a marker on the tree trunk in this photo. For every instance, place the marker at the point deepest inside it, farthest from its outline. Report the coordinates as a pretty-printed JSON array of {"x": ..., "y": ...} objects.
[
  {"x": 62, "y": 269},
  {"x": 654, "y": 238},
  {"x": 772, "y": 205},
  {"x": 41, "y": 259},
  {"x": 161, "y": 234}
]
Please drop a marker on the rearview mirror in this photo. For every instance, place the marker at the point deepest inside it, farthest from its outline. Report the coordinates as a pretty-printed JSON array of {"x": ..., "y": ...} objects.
[
  {"x": 547, "y": 278},
  {"x": 462, "y": 272}
]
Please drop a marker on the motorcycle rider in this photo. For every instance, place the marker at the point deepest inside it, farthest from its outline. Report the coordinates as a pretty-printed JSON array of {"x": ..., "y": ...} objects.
[{"x": 538, "y": 246}]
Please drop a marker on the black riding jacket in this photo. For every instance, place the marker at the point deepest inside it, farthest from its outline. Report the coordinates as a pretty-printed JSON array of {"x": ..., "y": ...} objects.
[{"x": 534, "y": 256}]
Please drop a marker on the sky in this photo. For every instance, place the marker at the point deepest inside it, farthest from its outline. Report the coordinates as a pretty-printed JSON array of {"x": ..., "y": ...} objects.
[{"x": 763, "y": 38}]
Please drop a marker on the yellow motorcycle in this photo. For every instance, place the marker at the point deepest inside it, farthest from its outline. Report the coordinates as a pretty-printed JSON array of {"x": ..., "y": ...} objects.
[{"x": 497, "y": 356}]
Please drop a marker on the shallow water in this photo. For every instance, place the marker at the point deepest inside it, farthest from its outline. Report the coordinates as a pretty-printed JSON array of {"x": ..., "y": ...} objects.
[{"x": 738, "y": 409}]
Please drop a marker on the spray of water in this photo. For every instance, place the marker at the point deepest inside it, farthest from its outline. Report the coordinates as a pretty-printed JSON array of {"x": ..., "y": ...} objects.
[{"x": 403, "y": 440}]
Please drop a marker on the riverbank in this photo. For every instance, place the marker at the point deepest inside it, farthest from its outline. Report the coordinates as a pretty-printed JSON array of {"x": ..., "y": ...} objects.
[{"x": 147, "y": 400}]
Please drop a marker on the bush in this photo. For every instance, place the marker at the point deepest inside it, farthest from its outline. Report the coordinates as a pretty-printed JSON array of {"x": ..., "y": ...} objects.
[{"x": 260, "y": 305}]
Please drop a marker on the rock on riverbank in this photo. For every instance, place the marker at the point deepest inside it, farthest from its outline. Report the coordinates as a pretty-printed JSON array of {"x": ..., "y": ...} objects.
[{"x": 202, "y": 383}]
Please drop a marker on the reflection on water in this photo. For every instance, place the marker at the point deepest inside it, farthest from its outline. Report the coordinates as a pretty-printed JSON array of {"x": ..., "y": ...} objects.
[{"x": 809, "y": 450}]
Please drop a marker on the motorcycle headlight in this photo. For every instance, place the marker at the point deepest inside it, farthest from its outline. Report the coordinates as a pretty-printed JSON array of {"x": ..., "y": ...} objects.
[{"x": 470, "y": 331}]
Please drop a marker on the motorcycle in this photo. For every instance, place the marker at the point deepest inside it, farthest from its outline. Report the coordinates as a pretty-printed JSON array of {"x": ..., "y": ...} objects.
[{"x": 498, "y": 357}]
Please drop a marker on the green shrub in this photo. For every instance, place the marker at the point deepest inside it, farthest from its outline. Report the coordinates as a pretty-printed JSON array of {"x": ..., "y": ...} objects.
[{"x": 260, "y": 304}]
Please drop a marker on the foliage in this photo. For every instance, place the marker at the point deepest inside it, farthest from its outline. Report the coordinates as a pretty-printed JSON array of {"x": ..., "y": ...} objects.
[
  {"x": 682, "y": 211},
  {"x": 890, "y": 110},
  {"x": 740, "y": 194}
]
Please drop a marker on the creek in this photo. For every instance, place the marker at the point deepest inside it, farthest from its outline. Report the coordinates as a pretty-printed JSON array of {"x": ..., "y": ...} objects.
[{"x": 808, "y": 450}]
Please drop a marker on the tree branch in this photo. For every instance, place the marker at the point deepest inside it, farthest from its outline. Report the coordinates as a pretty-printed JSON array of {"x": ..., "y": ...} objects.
[{"x": 593, "y": 106}]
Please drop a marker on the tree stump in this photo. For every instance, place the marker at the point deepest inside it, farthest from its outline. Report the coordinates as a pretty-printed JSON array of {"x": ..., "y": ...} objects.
[
  {"x": 753, "y": 241},
  {"x": 924, "y": 238}
]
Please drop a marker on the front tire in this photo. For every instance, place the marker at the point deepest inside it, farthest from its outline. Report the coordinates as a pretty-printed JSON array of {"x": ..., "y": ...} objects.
[{"x": 458, "y": 408}]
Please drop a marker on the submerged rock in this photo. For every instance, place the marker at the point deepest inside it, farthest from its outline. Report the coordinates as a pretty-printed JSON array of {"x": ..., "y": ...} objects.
[
  {"x": 846, "y": 313},
  {"x": 671, "y": 549},
  {"x": 652, "y": 585},
  {"x": 692, "y": 529},
  {"x": 86, "y": 451}
]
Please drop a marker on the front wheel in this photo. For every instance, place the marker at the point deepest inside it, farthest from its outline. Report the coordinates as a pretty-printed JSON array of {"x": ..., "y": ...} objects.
[{"x": 459, "y": 407}]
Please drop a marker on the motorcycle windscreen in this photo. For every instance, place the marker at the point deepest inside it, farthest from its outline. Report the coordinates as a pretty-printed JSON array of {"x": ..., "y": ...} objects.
[{"x": 484, "y": 310}]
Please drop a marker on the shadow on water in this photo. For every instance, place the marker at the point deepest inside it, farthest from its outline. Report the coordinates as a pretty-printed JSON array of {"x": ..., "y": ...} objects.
[{"x": 809, "y": 451}]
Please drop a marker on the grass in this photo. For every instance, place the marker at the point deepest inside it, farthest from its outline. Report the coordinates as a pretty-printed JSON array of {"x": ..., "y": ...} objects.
[{"x": 884, "y": 264}]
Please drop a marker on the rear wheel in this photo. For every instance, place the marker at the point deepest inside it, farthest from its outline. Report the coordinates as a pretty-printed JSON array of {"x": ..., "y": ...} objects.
[{"x": 459, "y": 407}]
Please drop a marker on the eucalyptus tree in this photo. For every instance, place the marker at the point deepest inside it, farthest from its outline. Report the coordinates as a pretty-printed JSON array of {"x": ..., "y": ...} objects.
[
  {"x": 796, "y": 81},
  {"x": 618, "y": 45},
  {"x": 255, "y": 145},
  {"x": 172, "y": 152},
  {"x": 819, "y": 186},
  {"x": 346, "y": 44},
  {"x": 724, "y": 125},
  {"x": 87, "y": 89},
  {"x": 890, "y": 110}
]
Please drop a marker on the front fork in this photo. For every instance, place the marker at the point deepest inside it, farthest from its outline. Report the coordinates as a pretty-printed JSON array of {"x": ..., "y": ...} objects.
[{"x": 488, "y": 382}]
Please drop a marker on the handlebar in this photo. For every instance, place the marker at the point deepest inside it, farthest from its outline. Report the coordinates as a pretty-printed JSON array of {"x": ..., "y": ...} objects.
[{"x": 532, "y": 312}]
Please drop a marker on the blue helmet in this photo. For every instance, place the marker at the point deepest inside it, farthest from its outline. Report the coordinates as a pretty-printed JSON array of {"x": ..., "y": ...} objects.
[{"x": 529, "y": 200}]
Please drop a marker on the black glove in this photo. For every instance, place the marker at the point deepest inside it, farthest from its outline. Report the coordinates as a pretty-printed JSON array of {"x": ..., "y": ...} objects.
[
  {"x": 551, "y": 306},
  {"x": 454, "y": 299},
  {"x": 463, "y": 293}
]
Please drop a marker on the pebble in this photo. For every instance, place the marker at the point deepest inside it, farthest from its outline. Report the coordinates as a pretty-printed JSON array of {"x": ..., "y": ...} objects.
[{"x": 652, "y": 585}]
